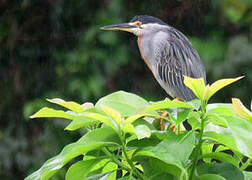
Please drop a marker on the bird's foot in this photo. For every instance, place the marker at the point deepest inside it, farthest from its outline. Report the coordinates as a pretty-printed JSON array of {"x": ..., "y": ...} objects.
[{"x": 172, "y": 127}]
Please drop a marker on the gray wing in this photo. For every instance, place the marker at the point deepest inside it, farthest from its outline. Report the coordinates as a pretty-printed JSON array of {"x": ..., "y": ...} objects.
[{"x": 175, "y": 59}]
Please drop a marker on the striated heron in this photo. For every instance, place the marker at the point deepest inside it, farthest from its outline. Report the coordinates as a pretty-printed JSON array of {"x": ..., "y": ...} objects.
[{"x": 167, "y": 52}]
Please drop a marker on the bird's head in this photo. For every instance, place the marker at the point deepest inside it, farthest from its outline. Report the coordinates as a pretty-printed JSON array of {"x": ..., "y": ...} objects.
[{"x": 139, "y": 25}]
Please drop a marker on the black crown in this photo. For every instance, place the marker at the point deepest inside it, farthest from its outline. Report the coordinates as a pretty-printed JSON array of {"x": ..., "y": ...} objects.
[{"x": 145, "y": 19}]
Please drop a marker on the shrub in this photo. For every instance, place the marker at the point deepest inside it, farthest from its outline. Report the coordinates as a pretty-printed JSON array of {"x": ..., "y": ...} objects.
[{"x": 124, "y": 141}]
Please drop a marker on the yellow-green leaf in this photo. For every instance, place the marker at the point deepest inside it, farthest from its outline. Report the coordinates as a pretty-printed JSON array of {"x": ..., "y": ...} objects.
[
  {"x": 196, "y": 85},
  {"x": 108, "y": 168},
  {"x": 79, "y": 122},
  {"x": 133, "y": 118},
  {"x": 48, "y": 112},
  {"x": 106, "y": 120},
  {"x": 128, "y": 128},
  {"x": 241, "y": 110},
  {"x": 217, "y": 85},
  {"x": 112, "y": 113},
  {"x": 206, "y": 91},
  {"x": 251, "y": 105},
  {"x": 68, "y": 104},
  {"x": 207, "y": 148},
  {"x": 167, "y": 103}
]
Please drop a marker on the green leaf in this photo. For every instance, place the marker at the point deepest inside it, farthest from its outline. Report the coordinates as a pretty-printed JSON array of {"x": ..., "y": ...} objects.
[
  {"x": 206, "y": 149},
  {"x": 125, "y": 103},
  {"x": 153, "y": 172},
  {"x": 103, "y": 134},
  {"x": 221, "y": 136},
  {"x": 173, "y": 152},
  {"x": 80, "y": 169},
  {"x": 211, "y": 177},
  {"x": 110, "y": 167},
  {"x": 216, "y": 119},
  {"x": 216, "y": 86},
  {"x": 221, "y": 148},
  {"x": 172, "y": 169},
  {"x": 182, "y": 115},
  {"x": 237, "y": 136},
  {"x": 95, "y": 139},
  {"x": 130, "y": 177},
  {"x": 180, "y": 148},
  {"x": 98, "y": 167},
  {"x": 144, "y": 122},
  {"x": 241, "y": 131},
  {"x": 195, "y": 103},
  {"x": 226, "y": 170},
  {"x": 221, "y": 108},
  {"x": 167, "y": 103},
  {"x": 68, "y": 104},
  {"x": 224, "y": 157},
  {"x": 81, "y": 121},
  {"x": 48, "y": 112},
  {"x": 248, "y": 175},
  {"x": 142, "y": 131},
  {"x": 98, "y": 176},
  {"x": 101, "y": 118},
  {"x": 135, "y": 143},
  {"x": 196, "y": 85},
  {"x": 194, "y": 120}
]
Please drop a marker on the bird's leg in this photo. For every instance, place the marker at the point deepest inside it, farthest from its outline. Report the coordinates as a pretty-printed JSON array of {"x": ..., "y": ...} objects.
[
  {"x": 173, "y": 128},
  {"x": 164, "y": 114}
]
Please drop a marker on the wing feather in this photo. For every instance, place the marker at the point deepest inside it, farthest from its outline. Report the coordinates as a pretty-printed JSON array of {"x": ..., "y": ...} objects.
[{"x": 172, "y": 65}]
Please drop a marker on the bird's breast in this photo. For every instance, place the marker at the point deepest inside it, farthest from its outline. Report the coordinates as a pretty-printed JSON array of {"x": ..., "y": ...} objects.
[{"x": 143, "y": 52}]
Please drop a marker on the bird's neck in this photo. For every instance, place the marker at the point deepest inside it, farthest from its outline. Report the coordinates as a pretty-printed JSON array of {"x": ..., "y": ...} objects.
[{"x": 139, "y": 43}]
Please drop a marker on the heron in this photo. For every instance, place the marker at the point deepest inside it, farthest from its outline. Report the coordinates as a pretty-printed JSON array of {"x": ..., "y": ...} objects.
[{"x": 167, "y": 52}]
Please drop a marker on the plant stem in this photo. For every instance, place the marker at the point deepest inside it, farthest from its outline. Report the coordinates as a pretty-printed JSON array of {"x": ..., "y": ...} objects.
[
  {"x": 246, "y": 164},
  {"x": 114, "y": 159},
  {"x": 198, "y": 146},
  {"x": 133, "y": 168},
  {"x": 140, "y": 175}
]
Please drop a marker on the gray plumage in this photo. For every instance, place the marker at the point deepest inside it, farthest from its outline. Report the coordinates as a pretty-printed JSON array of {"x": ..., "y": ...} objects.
[
  {"x": 171, "y": 56},
  {"x": 167, "y": 52}
]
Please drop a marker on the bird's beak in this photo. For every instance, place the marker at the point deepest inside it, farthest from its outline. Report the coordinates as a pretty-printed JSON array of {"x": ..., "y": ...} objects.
[{"x": 129, "y": 27}]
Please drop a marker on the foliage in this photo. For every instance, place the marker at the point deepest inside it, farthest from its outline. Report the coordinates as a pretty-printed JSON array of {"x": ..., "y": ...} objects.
[
  {"x": 55, "y": 49},
  {"x": 123, "y": 142}
]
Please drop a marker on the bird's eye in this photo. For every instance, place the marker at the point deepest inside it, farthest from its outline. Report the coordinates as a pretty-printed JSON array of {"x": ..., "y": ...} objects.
[{"x": 138, "y": 23}]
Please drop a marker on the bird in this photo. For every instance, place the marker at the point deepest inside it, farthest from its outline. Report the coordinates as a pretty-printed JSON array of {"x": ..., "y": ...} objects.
[{"x": 167, "y": 52}]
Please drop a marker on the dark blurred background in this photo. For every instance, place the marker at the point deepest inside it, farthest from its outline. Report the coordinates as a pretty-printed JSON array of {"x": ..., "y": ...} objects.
[{"x": 54, "y": 48}]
